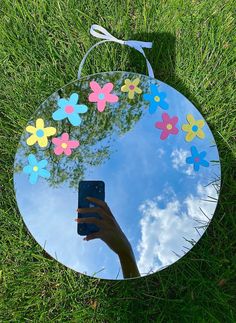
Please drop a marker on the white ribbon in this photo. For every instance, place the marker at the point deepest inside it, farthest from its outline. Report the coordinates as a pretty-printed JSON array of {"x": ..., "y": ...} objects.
[{"x": 100, "y": 32}]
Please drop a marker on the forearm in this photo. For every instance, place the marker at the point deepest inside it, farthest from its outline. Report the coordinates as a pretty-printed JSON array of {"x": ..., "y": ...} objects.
[{"x": 128, "y": 264}]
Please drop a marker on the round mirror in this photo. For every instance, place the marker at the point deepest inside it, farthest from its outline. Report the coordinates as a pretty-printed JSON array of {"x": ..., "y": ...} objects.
[{"x": 141, "y": 150}]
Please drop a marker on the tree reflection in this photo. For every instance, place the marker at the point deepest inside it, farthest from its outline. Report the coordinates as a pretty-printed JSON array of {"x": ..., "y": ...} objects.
[{"x": 95, "y": 134}]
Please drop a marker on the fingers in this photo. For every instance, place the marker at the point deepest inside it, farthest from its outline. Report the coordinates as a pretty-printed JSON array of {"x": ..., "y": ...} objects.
[
  {"x": 92, "y": 236},
  {"x": 101, "y": 203},
  {"x": 89, "y": 210},
  {"x": 89, "y": 220}
]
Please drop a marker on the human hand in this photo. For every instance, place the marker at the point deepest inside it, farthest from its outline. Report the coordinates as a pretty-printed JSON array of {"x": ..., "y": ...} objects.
[{"x": 109, "y": 230}]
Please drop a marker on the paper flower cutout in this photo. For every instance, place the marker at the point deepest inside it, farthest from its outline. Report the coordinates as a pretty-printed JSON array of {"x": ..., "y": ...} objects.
[
  {"x": 36, "y": 168},
  {"x": 131, "y": 87},
  {"x": 194, "y": 128},
  {"x": 197, "y": 159},
  {"x": 64, "y": 145},
  {"x": 156, "y": 99},
  {"x": 102, "y": 95},
  {"x": 168, "y": 125},
  {"x": 39, "y": 133},
  {"x": 70, "y": 109}
]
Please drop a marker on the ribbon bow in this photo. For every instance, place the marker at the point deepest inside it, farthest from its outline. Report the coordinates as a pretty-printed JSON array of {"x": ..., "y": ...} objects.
[{"x": 100, "y": 32}]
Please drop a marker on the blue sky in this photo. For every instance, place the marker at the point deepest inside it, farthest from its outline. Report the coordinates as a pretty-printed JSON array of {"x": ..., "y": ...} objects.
[{"x": 154, "y": 195}]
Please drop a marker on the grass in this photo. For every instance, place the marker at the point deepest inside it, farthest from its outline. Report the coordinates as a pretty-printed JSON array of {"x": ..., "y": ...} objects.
[{"x": 41, "y": 45}]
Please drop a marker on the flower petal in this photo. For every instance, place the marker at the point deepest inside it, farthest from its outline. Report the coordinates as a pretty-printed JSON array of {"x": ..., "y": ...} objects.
[
  {"x": 127, "y": 82},
  {"x": 67, "y": 151},
  {"x": 74, "y": 119},
  {"x": 31, "y": 140},
  {"x": 189, "y": 160},
  {"x": 27, "y": 169},
  {"x": 93, "y": 97},
  {"x": 42, "y": 163},
  {"x": 196, "y": 166},
  {"x": 112, "y": 98},
  {"x": 131, "y": 95},
  {"x": 204, "y": 163},
  {"x": 138, "y": 90},
  {"x": 164, "y": 135},
  {"x": 59, "y": 114},
  {"x": 125, "y": 88},
  {"x": 58, "y": 150},
  {"x": 200, "y": 134},
  {"x": 190, "y": 119},
  {"x": 33, "y": 178},
  {"x": 190, "y": 135},
  {"x": 152, "y": 107},
  {"x": 64, "y": 137},
  {"x": 165, "y": 117},
  {"x": 95, "y": 86},
  {"x": 200, "y": 123},
  {"x": 32, "y": 160},
  {"x": 31, "y": 129},
  {"x": 194, "y": 151},
  {"x": 43, "y": 141},
  {"x": 186, "y": 127},
  {"x": 101, "y": 105},
  {"x": 136, "y": 81},
  {"x": 44, "y": 173},
  {"x": 39, "y": 123},
  {"x": 74, "y": 98},
  {"x": 174, "y": 120},
  {"x": 62, "y": 103},
  {"x": 56, "y": 141},
  {"x": 174, "y": 130},
  {"x": 50, "y": 131},
  {"x": 81, "y": 108},
  {"x": 164, "y": 105},
  {"x": 147, "y": 97},
  {"x": 73, "y": 144},
  {"x": 107, "y": 88},
  {"x": 160, "y": 125}
]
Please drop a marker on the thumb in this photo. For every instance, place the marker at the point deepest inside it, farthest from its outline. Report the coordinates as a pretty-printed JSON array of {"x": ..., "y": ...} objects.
[{"x": 92, "y": 236}]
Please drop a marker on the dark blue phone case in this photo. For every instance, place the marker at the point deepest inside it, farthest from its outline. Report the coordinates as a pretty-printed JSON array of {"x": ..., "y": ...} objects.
[{"x": 93, "y": 189}]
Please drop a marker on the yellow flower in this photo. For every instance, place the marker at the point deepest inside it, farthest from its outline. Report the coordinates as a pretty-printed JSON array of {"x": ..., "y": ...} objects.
[
  {"x": 131, "y": 87},
  {"x": 194, "y": 128},
  {"x": 39, "y": 133}
]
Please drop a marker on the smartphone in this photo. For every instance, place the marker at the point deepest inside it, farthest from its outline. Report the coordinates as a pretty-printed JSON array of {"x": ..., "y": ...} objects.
[{"x": 93, "y": 189}]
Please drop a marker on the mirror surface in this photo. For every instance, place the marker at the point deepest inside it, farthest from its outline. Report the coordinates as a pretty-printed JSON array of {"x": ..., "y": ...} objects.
[{"x": 162, "y": 191}]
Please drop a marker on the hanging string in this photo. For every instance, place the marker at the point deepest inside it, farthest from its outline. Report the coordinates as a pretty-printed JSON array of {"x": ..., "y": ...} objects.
[{"x": 100, "y": 32}]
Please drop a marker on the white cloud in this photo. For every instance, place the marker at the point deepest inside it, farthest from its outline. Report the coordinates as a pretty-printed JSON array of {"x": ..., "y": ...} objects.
[
  {"x": 163, "y": 229},
  {"x": 179, "y": 161}
]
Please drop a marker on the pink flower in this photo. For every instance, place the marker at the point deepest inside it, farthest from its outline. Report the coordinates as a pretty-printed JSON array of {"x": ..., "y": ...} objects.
[
  {"x": 64, "y": 145},
  {"x": 167, "y": 126},
  {"x": 102, "y": 95}
]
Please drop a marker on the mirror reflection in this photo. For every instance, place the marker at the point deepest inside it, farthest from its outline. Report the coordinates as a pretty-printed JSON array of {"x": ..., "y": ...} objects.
[{"x": 119, "y": 181}]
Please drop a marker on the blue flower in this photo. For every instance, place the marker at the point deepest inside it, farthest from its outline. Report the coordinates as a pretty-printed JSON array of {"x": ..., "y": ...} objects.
[
  {"x": 156, "y": 99},
  {"x": 197, "y": 159},
  {"x": 70, "y": 109},
  {"x": 36, "y": 168}
]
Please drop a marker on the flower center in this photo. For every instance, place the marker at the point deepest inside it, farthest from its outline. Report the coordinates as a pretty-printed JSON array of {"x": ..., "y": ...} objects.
[
  {"x": 197, "y": 159},
  {"x": 69, "y": 109},
  {"x": 64, "y": 145},
  {"x": 194, "y": 128},
  {"x": 169, "y": 126},
  {"x": 101, "y": 96},
  {"x": 156, "y": 98},
  {"x": 35, "y": 168},
  {"x": 39, "y": 133},
  {"x": 131, "y": 87}
]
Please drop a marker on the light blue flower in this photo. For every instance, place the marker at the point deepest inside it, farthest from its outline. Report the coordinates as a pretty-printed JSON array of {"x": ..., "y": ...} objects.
[
  {"x": 156, "y": 99},
  {"x": 36, "y": 168},
  {"x": 70, "y": 109},
  {"x": 197, "y": 159}
]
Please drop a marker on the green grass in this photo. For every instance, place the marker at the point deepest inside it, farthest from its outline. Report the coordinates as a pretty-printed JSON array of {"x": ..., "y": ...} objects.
[{"x": 41, "y": 45}]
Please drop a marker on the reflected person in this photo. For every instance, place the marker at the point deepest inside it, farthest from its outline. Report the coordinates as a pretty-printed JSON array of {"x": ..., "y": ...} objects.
[{"x": 111, "y": 233}]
